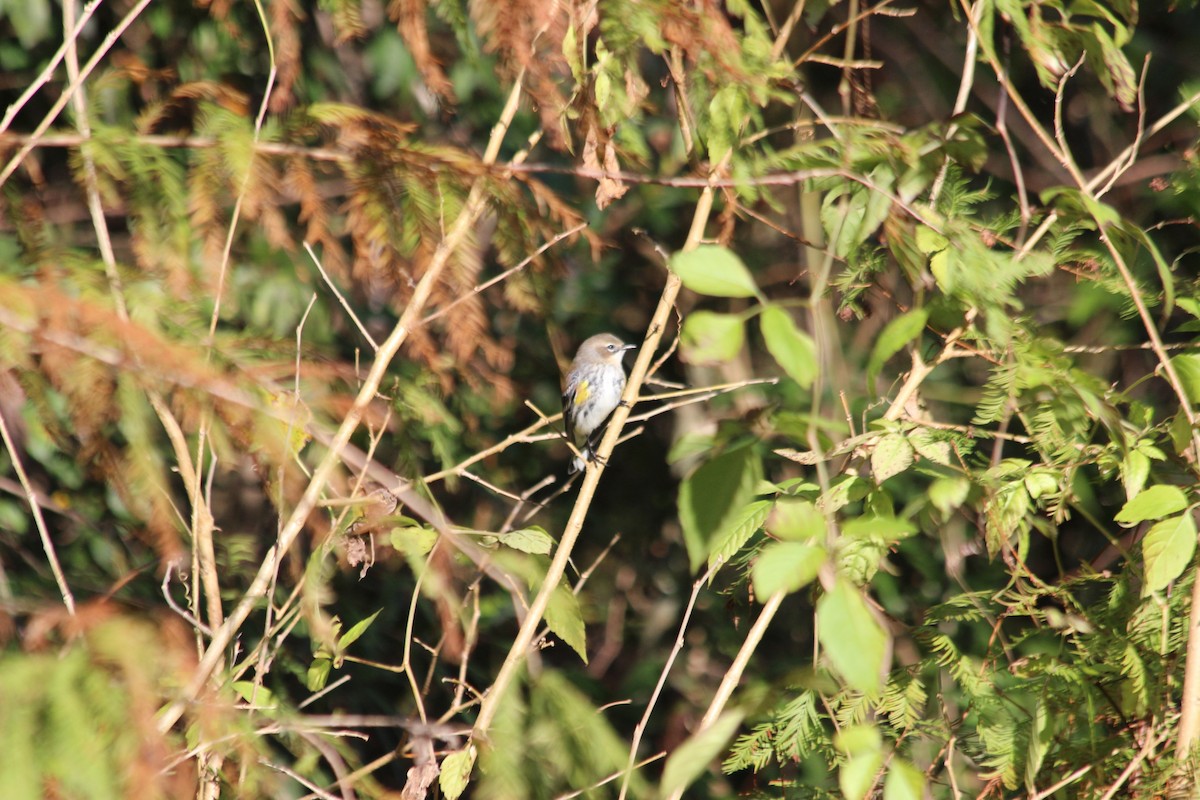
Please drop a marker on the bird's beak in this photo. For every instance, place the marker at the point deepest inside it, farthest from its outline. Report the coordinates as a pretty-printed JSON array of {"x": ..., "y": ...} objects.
[{"x": 629, "y": 347}]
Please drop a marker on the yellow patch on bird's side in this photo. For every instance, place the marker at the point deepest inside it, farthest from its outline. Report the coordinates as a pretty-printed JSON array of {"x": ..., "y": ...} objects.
[{"x": 581, "y": 392}]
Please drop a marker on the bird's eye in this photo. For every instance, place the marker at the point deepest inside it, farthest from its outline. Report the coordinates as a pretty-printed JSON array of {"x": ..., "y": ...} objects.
[{"x": 612, "y": 348}]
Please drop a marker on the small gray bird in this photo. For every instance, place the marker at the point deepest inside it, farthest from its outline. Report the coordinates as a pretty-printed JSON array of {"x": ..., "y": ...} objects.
[{"x": 593, "y": 391}]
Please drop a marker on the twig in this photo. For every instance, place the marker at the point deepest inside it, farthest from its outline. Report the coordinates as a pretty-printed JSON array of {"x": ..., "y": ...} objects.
[
  {"x": 300, "y": 779},
  {"x": 503, "y": 275},
  {"x": 537, "y": 607},
  {"x": 640, "y": 728},
  {"x": 69, "y": 44},
  {"x": 1067, "y": 781},
  {"x": 611, "y": 777},
  {"x": 467, "y": 217},
  {"x": 329, "y": 282},
  {"x": 70, "y": 90},
  {"x": 38, "y": 520},
  {"x": 733, "y": 676},
  {"x": 182, "y": 612}
]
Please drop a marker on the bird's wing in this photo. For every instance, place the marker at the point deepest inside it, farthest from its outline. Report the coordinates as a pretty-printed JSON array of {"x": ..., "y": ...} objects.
[{"x": 576, "y": 393}]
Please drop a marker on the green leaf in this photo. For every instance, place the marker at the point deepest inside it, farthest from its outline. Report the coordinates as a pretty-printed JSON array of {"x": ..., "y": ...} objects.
[
  {"x": 258, "y": 696},
  {"x": 888, "y": 529},
  {"x": 1041, "y": 483},
  {"x": 1167, "y": 550},
  {"x": 359, "y": 628},
  {"x": 741, "y": 527},
  {"x": 318, "y": 674},
  {"x": 796, "y": 520},
  {"x": 456, "y": 772},
  {"x": 413, "y": 541},
  {"x": 713, "y": 497},
  {"x": 711, "y": 338},
  {"x": 566, "y": 621},
  {"x": 894, "y": 336},
  {"x": 846, "y": 489},
  {"x": 533, "y": 540},
  {"x": 947, "y": 494},
  {"x": 891, "y": 456},
  {"x": 930, "y": 241},
  {"x": 791, "y": 347},
  {"x": 713, "y": 270},
  {"x": 852, "y": 637},
  {"x": 903, "y": 781},
  {"x": 691, "y": 759},
  {"x": 863, "y": 747},
  {"x": 1187, "y": 367},
  {"x": 1040, "y": 739},
  {"x": 929, "y": 445},
  {"x": 785, "y": 566},
  {"x": 1135, "y": 469},
  {"x": 1154, "y": 502}
]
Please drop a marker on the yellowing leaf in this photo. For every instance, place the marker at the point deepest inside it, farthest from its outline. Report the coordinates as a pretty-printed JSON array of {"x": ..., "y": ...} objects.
[{"x": 456, "y": 772}]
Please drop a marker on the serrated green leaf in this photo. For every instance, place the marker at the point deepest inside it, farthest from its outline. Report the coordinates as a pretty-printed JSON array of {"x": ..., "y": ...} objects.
[
  {"x": 691, "y": 759},
  {"x": 891, "y": 456},
  {"x": 456, "y": 772},
  {"x": 1154, "y": 502},
  {"x": 358, "y": 629},
  {"x": 851, "y": 637},
  {"x": 741, "y": 527},
  {"x": 566, "y": 621},
  {"x": 792, "y": 348},
  {"x": 533, "y": 540},
  {"x": 930, "y": 446},
  {"x": 1167, "y": 550},
  {"x": 845, "y": 490},
  {"x": 715, "y": 271},
  {"x": 711, "y": 338},
  {"x": 712, "y": 497},
  {"x": 894, "y": 336},
  {"x": 796, "y": 520},
  {"x": 1135, "y": 469},
  {"x": 785, "y": 566}
]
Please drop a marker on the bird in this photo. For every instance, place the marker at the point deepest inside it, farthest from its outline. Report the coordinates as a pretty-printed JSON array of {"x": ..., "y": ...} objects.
[{"x": 593, "y": 391}]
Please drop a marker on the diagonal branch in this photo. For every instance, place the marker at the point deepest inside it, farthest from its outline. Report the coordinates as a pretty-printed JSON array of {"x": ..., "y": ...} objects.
[{"x": 467, "y": 218}]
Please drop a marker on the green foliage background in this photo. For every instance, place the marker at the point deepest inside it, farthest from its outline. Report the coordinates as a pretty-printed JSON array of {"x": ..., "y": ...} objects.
[{"x": 930, "y": 511}]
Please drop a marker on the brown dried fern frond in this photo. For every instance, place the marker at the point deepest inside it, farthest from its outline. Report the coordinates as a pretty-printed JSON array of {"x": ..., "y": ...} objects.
[
  {"x": 528, "y": 35},
  {"x": 411, "y": 20}
]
